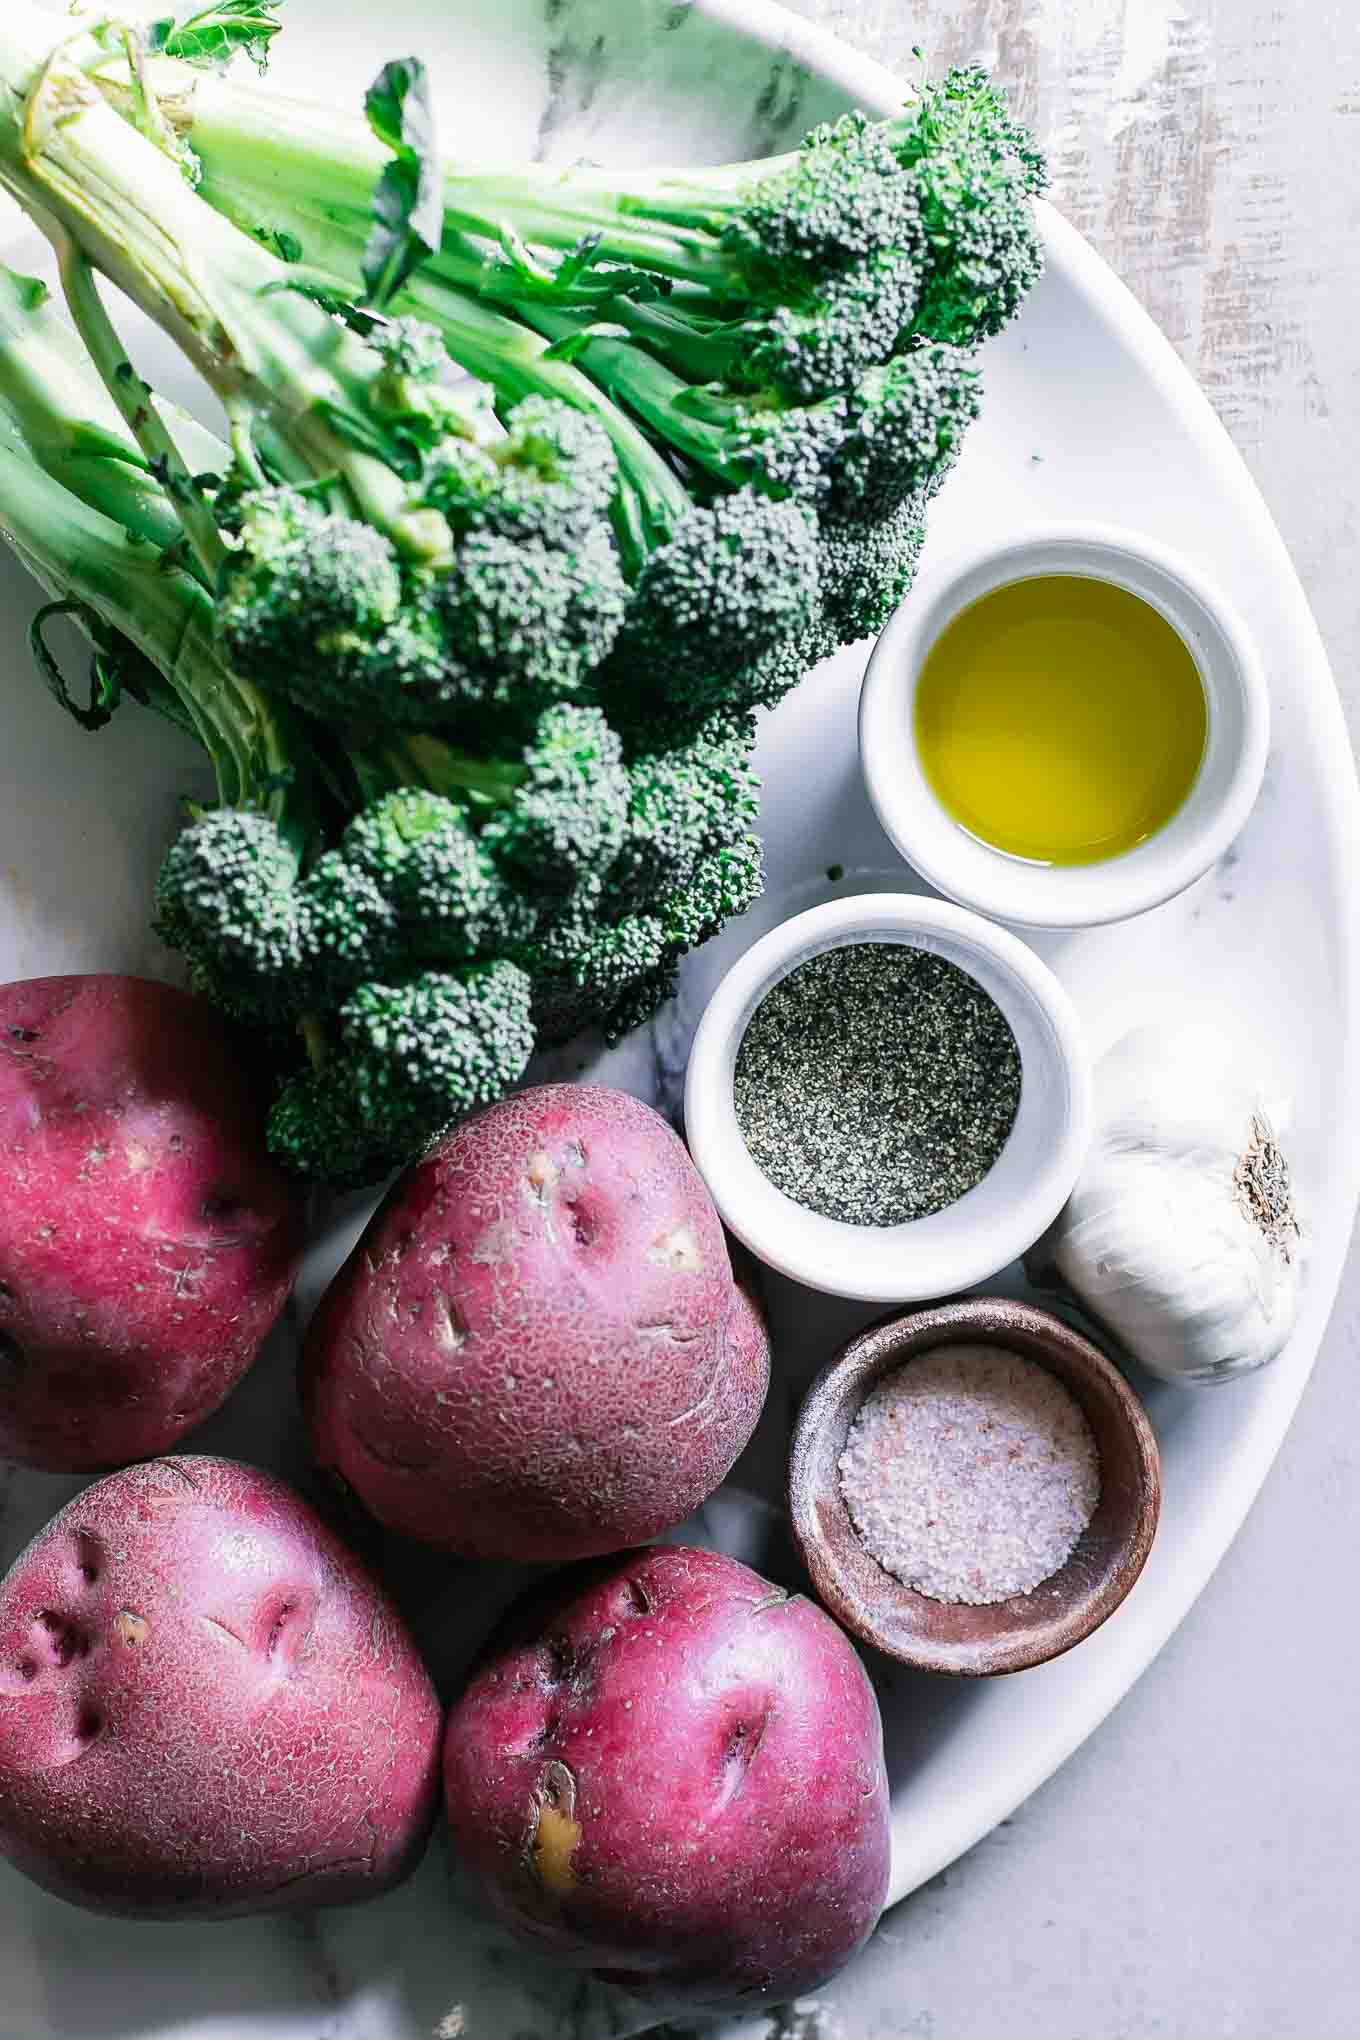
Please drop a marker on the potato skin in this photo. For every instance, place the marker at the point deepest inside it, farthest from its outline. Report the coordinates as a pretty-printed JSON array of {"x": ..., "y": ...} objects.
[
  {"x": 147, "y": 1242},
  {"x": 668, "y": 1772},
  {"x": 537, "y": 1349},
  {"x": 207, "y": 1706}
]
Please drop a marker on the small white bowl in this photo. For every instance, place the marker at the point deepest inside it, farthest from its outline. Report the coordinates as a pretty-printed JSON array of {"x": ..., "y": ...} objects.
[
  {"x": 1034, "y": 895},
  {"x": 989, "y": 1226}
]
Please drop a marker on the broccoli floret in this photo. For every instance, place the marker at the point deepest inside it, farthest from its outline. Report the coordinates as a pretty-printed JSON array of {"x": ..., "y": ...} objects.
[
  {"x": 268, "y": 941},
  {"x": 536, "y": 595},
  {"x": 347, "y": 925},
  {"x": 832, "y": 253},
  {"x": 737, "y": 435},
  {"x": 226, "y": 897},
  {"x": 591, "y": 970},
  {"x": 977, "y": 170},
  {"x": 306, "y": 583},
  {"x": 315, "y": 1131},
  {"x": 812, "y": 350},
  {"x": 867, "y": 568},
  {"x": 451, "y": 902},
  {"x": 582, "y": 964},
  {"x": 322, "y": 606},
  {"x": 837, "y": 203},
  {"x": 313, "y": 602},
  {"x": 525, "y": 622},
  {"x": 726, "y": 883},
  {"x": 906, "y": 425},
  {"x": 733, "y": 584},
  {"x": 419, "y": 1054},
  {"x": 415, "y": 361},
  {"x": 685, "y": 802},
  {"x": 408, "y": 1060},
  {"x": 569, "y": 811},
  {"x": 550, "y": 476},
  {"x": 785, "y": 450}
]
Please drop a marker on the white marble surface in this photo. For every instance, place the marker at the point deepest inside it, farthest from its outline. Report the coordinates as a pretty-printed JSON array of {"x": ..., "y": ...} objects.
[{"x": 1093, "y": 1922}]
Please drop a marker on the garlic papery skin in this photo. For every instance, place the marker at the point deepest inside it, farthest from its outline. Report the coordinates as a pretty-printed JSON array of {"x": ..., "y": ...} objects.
[{"x": 1181, "y": 1234}]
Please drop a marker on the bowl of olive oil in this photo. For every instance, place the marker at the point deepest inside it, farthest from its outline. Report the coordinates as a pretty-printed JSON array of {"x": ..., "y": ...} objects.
[{"x": 1067, "y": 730}]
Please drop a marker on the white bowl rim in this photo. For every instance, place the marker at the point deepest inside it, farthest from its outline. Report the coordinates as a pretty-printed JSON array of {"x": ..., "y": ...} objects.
[
  {"x": 993, "y": 1224},
  {"x": 1071, "y": 896}
]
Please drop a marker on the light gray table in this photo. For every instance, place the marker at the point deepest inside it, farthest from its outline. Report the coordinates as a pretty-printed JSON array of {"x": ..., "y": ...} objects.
[{"x": 1192, "y": 1872}]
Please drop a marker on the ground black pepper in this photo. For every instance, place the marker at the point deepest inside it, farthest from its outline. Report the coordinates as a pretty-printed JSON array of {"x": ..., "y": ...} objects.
[{"x": 876, "y": 1083}]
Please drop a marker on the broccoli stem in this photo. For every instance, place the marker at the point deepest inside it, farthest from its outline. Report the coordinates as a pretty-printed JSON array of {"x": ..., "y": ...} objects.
[
  {"x": 84, "y": 557},
  {"x": 82, "y": 172},
  {"x": 412, "y": 759},
  {"x": 670, "y": 221},
  {"x": 698, "y": 422},
  {"x": 61, "y": 412},
  {"x": 138, "y": 409},
  {"x": 499, "y": 350},
  {"x": 666, "y": 220},
  {"x": 93, "y": 526},
  {"x": 516, "y": 363},
  {"x": 693, "y": 343}
]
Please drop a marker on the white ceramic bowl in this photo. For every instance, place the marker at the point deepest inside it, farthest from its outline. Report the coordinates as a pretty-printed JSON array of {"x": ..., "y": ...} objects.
[
  {"x": 1073, "y": 896},
  {"x": 995, "y": 1221}
]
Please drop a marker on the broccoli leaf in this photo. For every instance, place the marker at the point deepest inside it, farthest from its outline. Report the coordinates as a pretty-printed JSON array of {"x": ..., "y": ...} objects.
[
  {"x": 106, "y": 686},
  {"x": 408, "y": 210},
  {"x": 571, "y": 344},
  {"x": 215, "y": 34}
]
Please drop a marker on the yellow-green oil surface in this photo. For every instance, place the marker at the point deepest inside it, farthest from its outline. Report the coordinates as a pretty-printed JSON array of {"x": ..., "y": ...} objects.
[{"x": 1060, "y": 719}]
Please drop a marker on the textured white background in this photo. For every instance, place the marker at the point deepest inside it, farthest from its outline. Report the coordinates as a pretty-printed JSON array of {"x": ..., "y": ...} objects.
[{"x": 1194, "y": 1871}]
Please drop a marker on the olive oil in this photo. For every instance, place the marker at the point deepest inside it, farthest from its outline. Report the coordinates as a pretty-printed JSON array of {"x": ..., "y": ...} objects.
[{"x": 1060, "y": 719}]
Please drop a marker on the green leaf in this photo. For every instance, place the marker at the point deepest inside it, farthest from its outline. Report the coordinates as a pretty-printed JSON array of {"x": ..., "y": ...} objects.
[
  {"x": 323, "y": 292},
  {"x": 211, "y": 36},
  {"x": 286, "y": 246},
  {"x": 408, "y": 207},
  {"x": 106, "y": 685},
  {"x": 572, "y": 344},
  {"x": 31, "y": 291},
  {"x": 358, "y": 432},
  {"x": 579, "y": 278}
]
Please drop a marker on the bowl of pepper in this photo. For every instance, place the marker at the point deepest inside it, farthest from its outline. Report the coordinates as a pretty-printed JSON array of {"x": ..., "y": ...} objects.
[
  {"x": 889, "y": 1098},
  {"x": 974, "y": 1488}
]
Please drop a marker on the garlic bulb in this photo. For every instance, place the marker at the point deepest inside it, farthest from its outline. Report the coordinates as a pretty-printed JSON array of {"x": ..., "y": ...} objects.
[{"x": 1182, "y": 1233}]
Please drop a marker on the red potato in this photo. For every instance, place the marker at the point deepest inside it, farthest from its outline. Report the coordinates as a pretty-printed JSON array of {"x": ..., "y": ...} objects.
[
  {"x": 537, "y": 1350},
  {"x": 672, "y": 1774},
  {"x": 147, "y": 1242},
  {"x": 207, "y": 1706}
]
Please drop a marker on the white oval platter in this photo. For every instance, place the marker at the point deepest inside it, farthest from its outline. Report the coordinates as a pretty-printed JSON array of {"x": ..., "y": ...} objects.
[{"x": 1089, "y": 414}]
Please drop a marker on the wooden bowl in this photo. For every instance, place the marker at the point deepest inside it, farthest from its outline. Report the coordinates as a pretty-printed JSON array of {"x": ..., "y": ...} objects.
[{"x": 952, "y": 1637}]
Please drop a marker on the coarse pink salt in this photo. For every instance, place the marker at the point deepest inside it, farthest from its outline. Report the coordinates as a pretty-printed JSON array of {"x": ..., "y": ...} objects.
[{"x": 970, "y": 1473}]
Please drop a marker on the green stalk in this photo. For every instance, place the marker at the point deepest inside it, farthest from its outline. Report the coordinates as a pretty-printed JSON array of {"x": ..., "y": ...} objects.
[
  {"x": 137, "y": 407},
  {"x": 94, "y": 527},
  {"x": 697, "y": 422},
  {"x": 409, "y": 759},
  {"x": 84, "y": 174},
  {"x": 667, "y": 220},
  {"x": 503, "y": 352},
  {"x": 688, "y": 339},
  {"x": 62, "y": 413},
  {"x": 85, "y": 558},
  {"x": 517, "y": 363}
]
